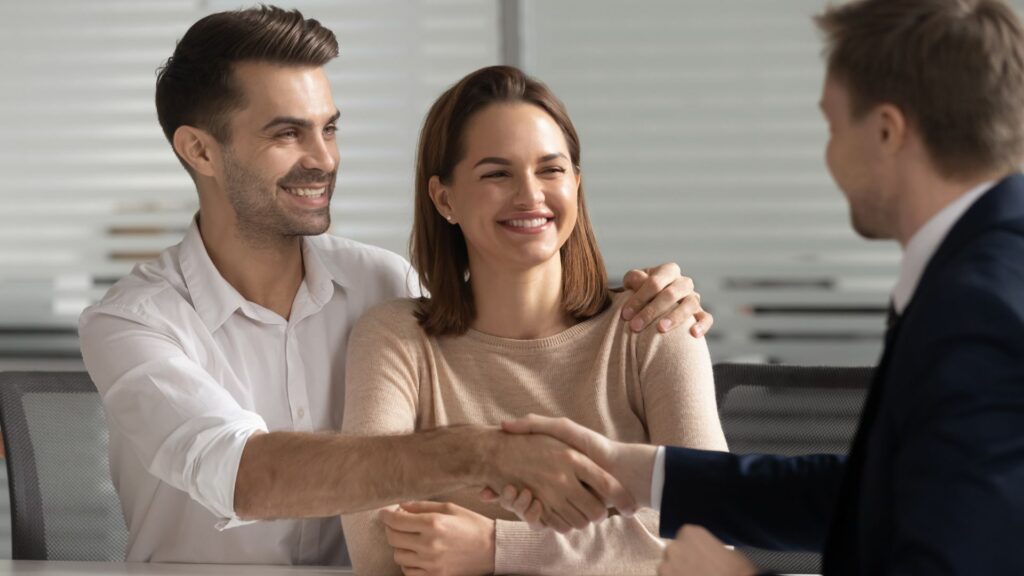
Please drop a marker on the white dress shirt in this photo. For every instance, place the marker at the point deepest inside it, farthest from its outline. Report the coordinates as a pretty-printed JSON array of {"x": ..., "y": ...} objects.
[
  {"x": 918, "y": 252},
  {"x": 926, "y": 241},
  {"x": 188, "y": 370}
]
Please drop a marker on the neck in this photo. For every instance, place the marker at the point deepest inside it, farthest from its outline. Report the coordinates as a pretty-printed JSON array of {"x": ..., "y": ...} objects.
[
  {"x": 522, "y": 304},
  {"x": 265, "y": 273},
  {"x": 923, "y": 193}
]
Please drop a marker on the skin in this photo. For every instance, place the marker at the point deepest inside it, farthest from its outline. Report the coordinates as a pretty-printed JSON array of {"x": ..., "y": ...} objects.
[
  {"x": 282, "y": 138},
  {"x": 893, "y": 188}
]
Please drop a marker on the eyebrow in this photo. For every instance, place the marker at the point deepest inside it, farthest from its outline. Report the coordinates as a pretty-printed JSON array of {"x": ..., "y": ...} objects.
[
  {"x": 300, "y": 122},
  {"x": 505, "y": 162}
]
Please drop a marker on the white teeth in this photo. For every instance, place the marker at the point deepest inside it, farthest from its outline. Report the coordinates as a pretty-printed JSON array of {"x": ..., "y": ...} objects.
[
  {"x": 531, "y": 223},
  {"x": 307, "y": 192}
]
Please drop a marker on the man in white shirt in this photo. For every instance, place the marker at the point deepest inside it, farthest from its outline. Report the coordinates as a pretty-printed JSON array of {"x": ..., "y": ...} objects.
[
  {"x": 925, "y": 104},
  {"x": 221, "y": 363}
]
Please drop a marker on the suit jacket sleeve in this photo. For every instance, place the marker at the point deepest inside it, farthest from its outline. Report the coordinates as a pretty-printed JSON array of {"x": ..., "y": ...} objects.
[{"x": 771, "y": 502}]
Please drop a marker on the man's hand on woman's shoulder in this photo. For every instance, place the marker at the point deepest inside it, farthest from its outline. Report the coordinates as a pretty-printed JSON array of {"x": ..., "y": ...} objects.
[{"x": 664, "y": 295}]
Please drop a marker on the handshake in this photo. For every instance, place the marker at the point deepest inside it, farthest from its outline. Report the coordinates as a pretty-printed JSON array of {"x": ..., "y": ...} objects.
[{"x": 554, "y": 473}]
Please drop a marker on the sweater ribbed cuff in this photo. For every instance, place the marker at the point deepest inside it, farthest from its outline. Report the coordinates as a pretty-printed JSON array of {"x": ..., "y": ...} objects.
[{"x": 511, "y": 542}]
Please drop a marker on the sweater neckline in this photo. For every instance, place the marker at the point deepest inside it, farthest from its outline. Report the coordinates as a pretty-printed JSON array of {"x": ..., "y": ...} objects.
[{"x": 555, "y": 340}]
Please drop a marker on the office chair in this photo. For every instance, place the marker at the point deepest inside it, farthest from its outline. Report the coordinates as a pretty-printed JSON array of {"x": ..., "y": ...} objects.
[
  {"x": 791, "y": 411},
  {"x": 63, "y": 503}
]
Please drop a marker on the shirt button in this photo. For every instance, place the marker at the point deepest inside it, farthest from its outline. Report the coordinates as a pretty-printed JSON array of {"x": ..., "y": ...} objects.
[{"x": 302, "y": 412}]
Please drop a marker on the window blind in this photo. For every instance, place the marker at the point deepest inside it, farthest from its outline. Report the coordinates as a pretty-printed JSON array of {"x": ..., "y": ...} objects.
[{"x": 703, "y": 144}]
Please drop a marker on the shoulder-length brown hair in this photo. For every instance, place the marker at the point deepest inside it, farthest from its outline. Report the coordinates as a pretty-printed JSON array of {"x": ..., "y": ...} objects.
[{"x": 438, "y": 249}]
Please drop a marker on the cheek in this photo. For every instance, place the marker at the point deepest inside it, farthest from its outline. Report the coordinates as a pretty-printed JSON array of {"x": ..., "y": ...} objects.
[{"x": 568, "y": 208}]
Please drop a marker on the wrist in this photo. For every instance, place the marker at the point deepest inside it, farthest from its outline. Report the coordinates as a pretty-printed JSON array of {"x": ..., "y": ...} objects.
[
  {"x": 479, "y": 449},
  {"x": 633, "y": 467}
]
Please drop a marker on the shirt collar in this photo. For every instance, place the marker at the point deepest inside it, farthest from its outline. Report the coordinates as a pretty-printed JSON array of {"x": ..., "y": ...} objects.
[
  {"x": 320, "y": 279},
  {"x": 212, "y": 296},
  {"x": 926, "y": 241},
  {"x": 215, "y": 300}
]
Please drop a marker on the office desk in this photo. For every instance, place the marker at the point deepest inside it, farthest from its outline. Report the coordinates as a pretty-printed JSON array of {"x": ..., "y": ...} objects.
[{"x": 38, "y": 568}]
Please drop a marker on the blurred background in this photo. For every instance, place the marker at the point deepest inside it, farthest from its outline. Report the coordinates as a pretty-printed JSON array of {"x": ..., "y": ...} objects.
[{"x": 702, "y": 145}]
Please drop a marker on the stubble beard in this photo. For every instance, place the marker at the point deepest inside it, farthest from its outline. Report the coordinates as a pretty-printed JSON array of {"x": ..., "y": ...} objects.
[{"x": 260, "y": 221}]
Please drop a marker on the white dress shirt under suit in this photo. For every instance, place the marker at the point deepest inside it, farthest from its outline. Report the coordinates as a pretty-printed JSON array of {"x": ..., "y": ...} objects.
[{"x": 188, "y": 370}]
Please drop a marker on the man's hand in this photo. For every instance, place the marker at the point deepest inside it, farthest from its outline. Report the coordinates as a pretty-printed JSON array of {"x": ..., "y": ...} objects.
[
  {"x": 695, "y": 552},
  {"x": 440, "y": 539},
  {"x": 662, "y": 293},
  {"x": 630, "y": 464},
  {"x": 573, "y": 490}
]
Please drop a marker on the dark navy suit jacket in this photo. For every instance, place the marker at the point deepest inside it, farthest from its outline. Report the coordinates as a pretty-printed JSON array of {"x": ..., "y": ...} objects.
[{"x": 934, "y": 481}]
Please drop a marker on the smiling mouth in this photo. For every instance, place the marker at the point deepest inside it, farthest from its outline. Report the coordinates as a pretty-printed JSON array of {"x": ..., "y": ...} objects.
[
  {"x": 306, "y": 192},
  {"x": 526, "y": 222}
]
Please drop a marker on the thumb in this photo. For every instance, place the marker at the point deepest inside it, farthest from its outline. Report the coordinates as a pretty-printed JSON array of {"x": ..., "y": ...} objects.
[
  {"x": 426, "y": 507},
  {"x": 525, "y": 425},
  {"x": 634, "y": 279}
]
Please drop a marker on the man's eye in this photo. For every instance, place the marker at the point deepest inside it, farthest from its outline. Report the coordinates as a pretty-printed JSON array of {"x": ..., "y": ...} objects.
[
  {"x": 288, "y": 134},
  {"x": 331, "y": 130}
]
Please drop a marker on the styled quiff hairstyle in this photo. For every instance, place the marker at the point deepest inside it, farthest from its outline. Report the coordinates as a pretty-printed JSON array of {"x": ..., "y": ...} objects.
[
  {"x": 195, "y": 86},
  {"x": 438, "y": 248},
  {"x": 955, "y": 68}
]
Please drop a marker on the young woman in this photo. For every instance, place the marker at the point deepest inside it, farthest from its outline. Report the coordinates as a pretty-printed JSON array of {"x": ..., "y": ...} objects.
[{"x": 520, "y": 320}]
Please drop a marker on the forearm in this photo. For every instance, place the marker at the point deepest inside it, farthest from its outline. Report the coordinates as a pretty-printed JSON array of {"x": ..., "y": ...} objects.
[
  {"x": 619, "y": 545},
  {"x": 301, "y": 475}
]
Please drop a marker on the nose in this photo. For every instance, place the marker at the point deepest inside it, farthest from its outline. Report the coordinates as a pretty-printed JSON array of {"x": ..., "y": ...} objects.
[
  {"x": 530, "y": 192},
  {"x": 320, "y": 154}
]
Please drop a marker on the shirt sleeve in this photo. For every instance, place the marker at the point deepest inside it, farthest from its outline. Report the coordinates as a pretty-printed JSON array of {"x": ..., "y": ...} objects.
[
  {"x": 184, "y": 427},
  {"x": 381, "y": 398}
]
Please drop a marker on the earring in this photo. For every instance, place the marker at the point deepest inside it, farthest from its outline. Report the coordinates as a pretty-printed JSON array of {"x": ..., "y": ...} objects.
[{"x": 448, "y": 218}]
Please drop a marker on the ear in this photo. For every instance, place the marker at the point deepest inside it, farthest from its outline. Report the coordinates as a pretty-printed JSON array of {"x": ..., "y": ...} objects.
[
  {"x": 441, "y": 197},
  {"x": 197, "y": 148},
  {"x": 892, "y": 128}
]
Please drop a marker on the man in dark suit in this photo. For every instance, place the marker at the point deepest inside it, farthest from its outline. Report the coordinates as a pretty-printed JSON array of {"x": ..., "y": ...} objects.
[{"x": 925, "y": 104}]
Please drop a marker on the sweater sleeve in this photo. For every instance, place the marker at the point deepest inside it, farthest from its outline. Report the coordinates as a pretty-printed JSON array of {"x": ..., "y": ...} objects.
[
  {"x": 678, "y": 393},
  {"x": 381, "y": 396},
  {"x": 677, "y": 384}
]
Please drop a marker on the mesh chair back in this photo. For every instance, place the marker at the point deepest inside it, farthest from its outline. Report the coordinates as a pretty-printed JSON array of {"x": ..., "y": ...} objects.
[
  {"x": 63, "y": 503},
  {"x": 789, "y": 410}
]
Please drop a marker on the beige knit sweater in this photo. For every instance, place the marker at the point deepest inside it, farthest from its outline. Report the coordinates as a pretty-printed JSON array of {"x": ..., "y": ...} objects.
[{"x": 647, "y": 387}]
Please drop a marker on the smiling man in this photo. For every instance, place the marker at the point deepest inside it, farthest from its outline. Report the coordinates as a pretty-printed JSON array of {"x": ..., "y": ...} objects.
[{"x": 221, "y": 364}]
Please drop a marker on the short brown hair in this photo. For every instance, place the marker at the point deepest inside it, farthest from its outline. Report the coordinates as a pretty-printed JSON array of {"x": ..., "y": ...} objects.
[
  {"x": 955, "y": 68},
  {"x": 438, "y": 249},
  {"x": 195, "y": 87}
]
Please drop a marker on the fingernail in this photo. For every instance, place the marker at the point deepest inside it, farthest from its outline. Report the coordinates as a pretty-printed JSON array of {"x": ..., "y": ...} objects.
[
  {"x": 664, "y": 325},
  {"x": 628, "y": 313},
  {"x": 636, "y": 324}
]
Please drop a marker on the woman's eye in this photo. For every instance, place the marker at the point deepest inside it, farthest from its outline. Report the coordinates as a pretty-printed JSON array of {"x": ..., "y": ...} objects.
[
  {"x": 495, "y": 175},
  {"x": 554, "y": 170}
]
